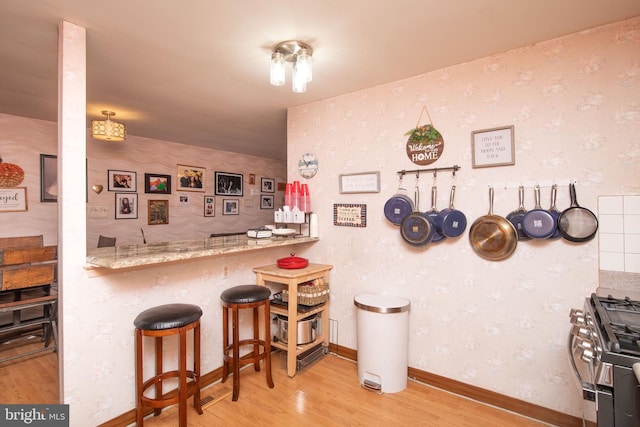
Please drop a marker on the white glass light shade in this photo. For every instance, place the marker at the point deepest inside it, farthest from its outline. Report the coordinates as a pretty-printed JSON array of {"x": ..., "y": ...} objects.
[
  {"x": 304, "y": 64},
  {"x": 277, "y": 69},
  {"x": 108, "y": 130},
  {"x": 299, "y": 80}
]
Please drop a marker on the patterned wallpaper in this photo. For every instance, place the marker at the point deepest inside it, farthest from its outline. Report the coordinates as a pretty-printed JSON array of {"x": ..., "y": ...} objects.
[
  {"x": 497, "y": 325},
  {"x": 502, "y": 326}
]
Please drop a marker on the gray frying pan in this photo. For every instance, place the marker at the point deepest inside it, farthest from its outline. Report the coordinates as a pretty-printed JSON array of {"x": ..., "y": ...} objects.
[{"x": 577, "y": 224}]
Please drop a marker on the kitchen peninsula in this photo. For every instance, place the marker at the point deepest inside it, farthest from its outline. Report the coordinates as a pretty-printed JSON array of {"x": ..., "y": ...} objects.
[{"x": 159, "y": 253}]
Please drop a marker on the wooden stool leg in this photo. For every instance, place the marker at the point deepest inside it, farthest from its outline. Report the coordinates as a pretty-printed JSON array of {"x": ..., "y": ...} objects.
[
  {"x": 225, "y": 342},
  {"x": 159, "y": 371},
  {"x": 256, "y": 337},
  {"x": 182, "y": 379},
  {"x": 236, "y": 351},
  {"x": 267, "y": 343},
  {"x": 196, "y": 368},
  {"x": 139, "y": 391}
]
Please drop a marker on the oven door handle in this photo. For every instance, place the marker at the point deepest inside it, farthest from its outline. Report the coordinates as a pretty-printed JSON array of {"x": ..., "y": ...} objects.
[{"x": 588, "y": 389}]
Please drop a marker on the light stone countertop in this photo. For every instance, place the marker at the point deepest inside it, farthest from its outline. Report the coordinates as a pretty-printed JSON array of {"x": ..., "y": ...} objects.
[{"x": 158, "y": 253}]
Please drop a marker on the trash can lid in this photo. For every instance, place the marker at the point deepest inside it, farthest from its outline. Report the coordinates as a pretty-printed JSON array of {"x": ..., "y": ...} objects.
[{"x": 381, "y": 303}]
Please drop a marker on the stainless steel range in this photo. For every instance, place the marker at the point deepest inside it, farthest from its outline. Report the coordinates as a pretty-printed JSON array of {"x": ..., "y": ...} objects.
[{"x": 604, "y": 348}]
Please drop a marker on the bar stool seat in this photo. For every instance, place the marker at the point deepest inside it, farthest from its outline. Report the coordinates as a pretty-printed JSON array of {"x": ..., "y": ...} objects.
[
  {"x": 159, "y": 322},
  {"x": 234, "y": 299}
]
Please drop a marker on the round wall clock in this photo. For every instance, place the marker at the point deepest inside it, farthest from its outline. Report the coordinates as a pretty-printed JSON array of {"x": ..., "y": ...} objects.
[{"x": 308, "y": 165}]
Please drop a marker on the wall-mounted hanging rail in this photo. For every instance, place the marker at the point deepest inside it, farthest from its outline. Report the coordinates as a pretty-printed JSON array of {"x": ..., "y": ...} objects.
[{"x": 435, "y": 171}]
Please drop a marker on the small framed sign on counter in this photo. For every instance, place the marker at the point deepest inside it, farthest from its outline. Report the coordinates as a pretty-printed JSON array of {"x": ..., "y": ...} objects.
[
  {"x": 493, "y": 147},
  {"x": 363, "y": 182}
]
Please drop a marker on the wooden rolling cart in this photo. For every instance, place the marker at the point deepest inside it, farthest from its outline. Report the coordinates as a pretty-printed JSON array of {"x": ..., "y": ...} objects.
[{"x": 291, "y": 279}]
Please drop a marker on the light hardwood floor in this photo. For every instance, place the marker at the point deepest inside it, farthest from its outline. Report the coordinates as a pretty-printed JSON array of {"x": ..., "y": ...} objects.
[{"x": 325, "y": 394}]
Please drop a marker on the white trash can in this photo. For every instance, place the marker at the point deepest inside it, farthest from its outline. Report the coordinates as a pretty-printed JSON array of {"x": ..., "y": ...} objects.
[{"x": 383, "y": 341}]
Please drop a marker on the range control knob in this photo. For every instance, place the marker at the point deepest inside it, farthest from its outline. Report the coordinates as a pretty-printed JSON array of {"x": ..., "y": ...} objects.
[
  {"x": 577, "y": 317},
  {"x": 581, "y": 332},
  {"x": 587, "y": 355}
]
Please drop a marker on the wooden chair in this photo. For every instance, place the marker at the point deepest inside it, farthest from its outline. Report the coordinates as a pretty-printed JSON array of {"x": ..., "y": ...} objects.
[
  {"x": 28, "y": 289},
  {"x": 105, "y": 242}
]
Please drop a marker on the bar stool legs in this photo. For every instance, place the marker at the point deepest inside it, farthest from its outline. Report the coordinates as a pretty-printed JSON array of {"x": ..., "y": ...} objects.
[
  {"x": 234, "y": 299},
  {"x": 160, "y": 322}
]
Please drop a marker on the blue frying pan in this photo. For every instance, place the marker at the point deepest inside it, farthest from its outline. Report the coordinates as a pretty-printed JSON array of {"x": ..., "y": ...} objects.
[
  {"x": 539, "y": 223},
  {"x": 438, "y": 234},
  {"x": 454, "y": 222}
]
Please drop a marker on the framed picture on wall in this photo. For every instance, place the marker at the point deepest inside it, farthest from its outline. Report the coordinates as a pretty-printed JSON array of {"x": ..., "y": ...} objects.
[
  {"x": 157, "y": 184},
  {"x": 158, "y": 211},
  {"x": 230, "y": 207},
  {"x": 209, "y": 206},
  {"x": 126, "y": 205},
  {"x": 121, "y": 181},
  {"x": 266, "y": 201},
  {"x": 48, "y": 178},
  {"x": 268, "y": 185},
  {"x": 493, "y": 147},
  {"x": 191, "y": 178},
  {"x": 228, "y": 184}
]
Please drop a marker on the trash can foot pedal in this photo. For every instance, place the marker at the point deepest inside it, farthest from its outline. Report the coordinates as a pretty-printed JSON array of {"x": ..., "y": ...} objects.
[{"x": 371, "y": 386}]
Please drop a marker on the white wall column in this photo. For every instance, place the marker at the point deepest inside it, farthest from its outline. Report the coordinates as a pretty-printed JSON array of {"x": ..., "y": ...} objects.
[{"x": 72, "y": 186}]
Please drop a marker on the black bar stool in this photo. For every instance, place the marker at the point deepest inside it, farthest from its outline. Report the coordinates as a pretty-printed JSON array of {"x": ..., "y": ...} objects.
[
  {"x": 159, "y": 322},
  {"x": 234, "y": 299}
]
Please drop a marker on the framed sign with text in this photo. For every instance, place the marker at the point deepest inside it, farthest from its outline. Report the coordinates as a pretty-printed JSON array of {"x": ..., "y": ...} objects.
[
  {"x": 13, "y": 199},
  {"x": 493, "y": 147},
  {"x": 350, "y": 215},
  {"x": 364, "y": 182}
]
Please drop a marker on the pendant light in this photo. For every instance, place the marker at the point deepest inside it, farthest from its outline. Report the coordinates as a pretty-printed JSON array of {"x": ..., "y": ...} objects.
[
  {"x": 298, "y": 53},
  {"x": 108, "y": 130}
]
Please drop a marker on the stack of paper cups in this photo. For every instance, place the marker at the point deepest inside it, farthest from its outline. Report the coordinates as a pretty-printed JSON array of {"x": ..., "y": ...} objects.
[
  {"x": 288, "y": 195},
  {"x": 313, "y": 225},
  {"x": 305, "y": 202},
  {"x": 295, "y": 195}
]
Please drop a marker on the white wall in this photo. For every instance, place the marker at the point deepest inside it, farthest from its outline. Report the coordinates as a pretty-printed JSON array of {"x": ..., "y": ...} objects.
[{"x": 503, "y": 325}]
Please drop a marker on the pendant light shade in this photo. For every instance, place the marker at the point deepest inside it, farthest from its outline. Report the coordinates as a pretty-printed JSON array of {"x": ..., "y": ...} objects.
[
  {"x": 277, "y": 69},
  {"x": 299, "y": 54},
  {"x": 108, "y": 130}
]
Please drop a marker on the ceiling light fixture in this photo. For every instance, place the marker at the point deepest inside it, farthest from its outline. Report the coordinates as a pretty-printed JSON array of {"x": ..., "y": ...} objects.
[
  {"x": 108, "y": 130},
  {"x": 297, "y": 52}
]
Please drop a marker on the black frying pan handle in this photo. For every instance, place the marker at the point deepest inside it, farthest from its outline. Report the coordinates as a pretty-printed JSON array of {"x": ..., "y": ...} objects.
[{"x": 572, "y": 195}]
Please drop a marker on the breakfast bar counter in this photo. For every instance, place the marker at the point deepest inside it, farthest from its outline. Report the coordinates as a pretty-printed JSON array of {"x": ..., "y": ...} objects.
[{"x": 127, "y": 256}]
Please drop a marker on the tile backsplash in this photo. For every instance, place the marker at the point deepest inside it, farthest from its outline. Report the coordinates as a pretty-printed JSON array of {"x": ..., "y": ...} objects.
[{"x": 619, "y": 231}]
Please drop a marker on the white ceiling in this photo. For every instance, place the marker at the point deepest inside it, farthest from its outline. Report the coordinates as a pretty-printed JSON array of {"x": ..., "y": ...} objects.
[{"x": 197, "y": 71}]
